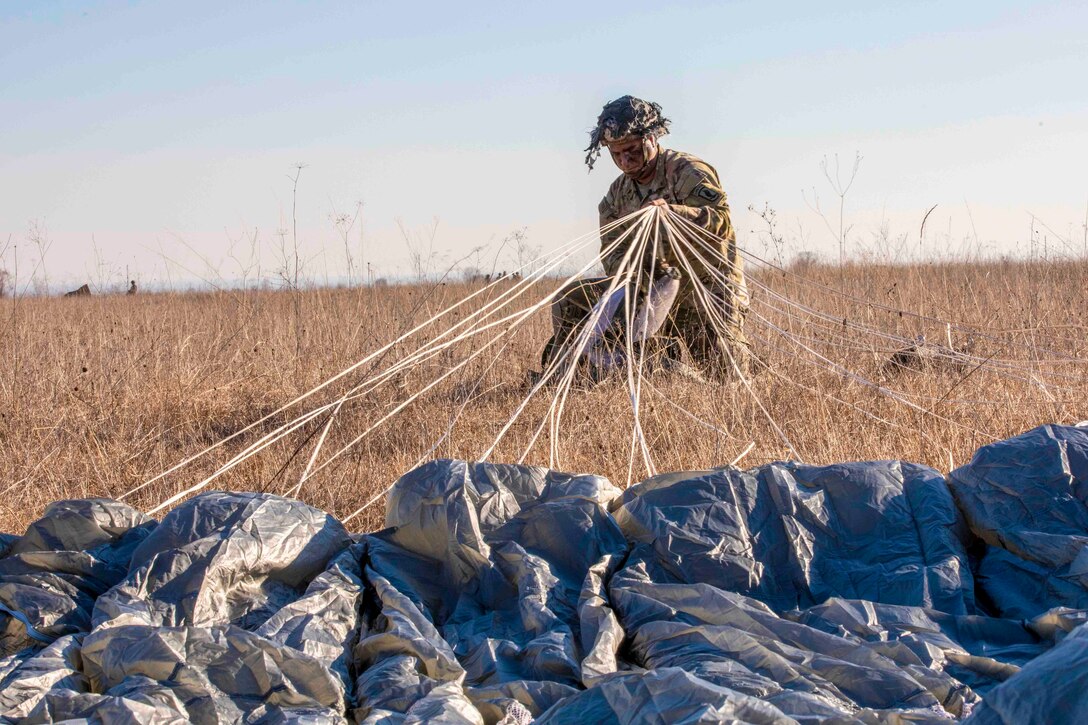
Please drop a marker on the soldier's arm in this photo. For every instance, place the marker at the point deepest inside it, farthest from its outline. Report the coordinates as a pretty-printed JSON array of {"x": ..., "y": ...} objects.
[
  {"x": 612, "y": 259},
  {"x": 703, "y": 201}
]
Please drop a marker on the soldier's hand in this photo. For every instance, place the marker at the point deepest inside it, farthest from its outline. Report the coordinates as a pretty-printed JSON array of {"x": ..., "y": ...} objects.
[
  {"x": 666, "y": 269},
  {"x": 655, "y": 202}
]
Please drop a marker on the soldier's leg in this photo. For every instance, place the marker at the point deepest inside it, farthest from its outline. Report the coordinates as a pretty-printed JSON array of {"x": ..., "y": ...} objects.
[
  {"x": 737, "y": 298},
  {"x": 571, "y": 307},
  {"x": 715, "y": 338}
]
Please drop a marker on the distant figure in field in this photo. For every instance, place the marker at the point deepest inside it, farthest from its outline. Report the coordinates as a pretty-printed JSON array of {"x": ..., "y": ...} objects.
[
  {"x": 84, "y": 291},
  {"x": 132, "y": 287}
]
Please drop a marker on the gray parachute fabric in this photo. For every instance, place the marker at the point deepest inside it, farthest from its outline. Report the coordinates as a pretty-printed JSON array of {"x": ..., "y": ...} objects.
[
  {"x": 793, "y": 535},
  {"x": 725, "y": 564},
  {"x": 479, "y": 578},
  {"x": 1051, "y": 689},
  {"x": 189, "y": 617},
  {"x": 27, "y": 679},
  {"x": 52, "y": 575},
  {"x": 1027, "y": 499},
  {"x": 236, "y": 607},
  {"x": 875, "y": 592},
  {"x": 224, "y": 559},
  {"x": 663, "y": 696}
]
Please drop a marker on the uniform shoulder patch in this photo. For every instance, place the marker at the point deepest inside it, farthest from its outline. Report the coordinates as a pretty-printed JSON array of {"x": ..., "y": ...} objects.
[{"x": 709, "y": 193}]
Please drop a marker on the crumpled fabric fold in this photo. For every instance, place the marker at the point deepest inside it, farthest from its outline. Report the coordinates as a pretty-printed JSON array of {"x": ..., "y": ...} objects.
[{"x": 872, "y": 592}]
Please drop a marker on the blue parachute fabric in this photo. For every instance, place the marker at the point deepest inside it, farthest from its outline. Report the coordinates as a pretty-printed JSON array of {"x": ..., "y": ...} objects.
[
  {"x": 871, "y": 592},
  {"x": 1026, "y": 498}
]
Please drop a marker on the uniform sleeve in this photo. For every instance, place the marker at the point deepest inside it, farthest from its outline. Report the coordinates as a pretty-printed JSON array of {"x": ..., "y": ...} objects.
[
  {"x": 702, "y": 201},
  {"x": 607, "y": 212}
]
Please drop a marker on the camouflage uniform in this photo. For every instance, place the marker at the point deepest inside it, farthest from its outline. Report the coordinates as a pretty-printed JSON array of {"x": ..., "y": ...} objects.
[{"x": 692, "y": 190}]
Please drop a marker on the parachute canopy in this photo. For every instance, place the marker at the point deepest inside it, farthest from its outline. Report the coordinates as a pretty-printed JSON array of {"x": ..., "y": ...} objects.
[{"x": 872, "y": 592}]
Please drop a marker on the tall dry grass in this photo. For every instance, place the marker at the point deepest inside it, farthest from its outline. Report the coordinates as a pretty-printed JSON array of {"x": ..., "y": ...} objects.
[{"x": 99, "y": 394}]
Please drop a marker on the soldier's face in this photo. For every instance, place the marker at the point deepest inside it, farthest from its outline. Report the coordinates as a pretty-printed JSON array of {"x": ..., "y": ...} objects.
[{"x": 632, "y": 154}]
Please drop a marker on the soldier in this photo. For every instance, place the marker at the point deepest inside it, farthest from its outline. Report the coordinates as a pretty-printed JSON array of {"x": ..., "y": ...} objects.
[{"x": 630, "y": 128}]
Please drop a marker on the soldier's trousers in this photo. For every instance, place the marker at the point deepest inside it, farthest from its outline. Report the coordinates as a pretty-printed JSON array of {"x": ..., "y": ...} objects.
[{"x": 710, "y": 328}]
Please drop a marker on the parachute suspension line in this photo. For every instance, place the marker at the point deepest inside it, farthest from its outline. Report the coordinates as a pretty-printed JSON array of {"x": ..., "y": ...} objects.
[
  {"x": 423, "y": 353},
  {"x": 464, "y": 404},
  {"x": 291, "y": 426},
  {"x": 862, "y": 380},
  {"x": 898, "y": 396},
  {"x": 432, "y": 348},
  {"x": 401, "y": 406},
  {"x": 840, "y": 343},
  {"x": 799, "y": 341},
  {"x": 469, "y": 397},
  {"x": 317, "y": 449},
  {"x": 808, "y": 361},
  {"x": 814, "y": 312},
  {"x": 578, "y": 243},
  {"x": 427, "y": 455},
  {"x": 576, "y": 349},
  {"x": 570, "y": 353},
  {"x": 591, "y": 328},
  {"x": 972, "y": 329},
  {"x": 259, "y": 445},
  {"x": 892, "y": 394},
  {"x": 979, "y": 331},
  {"x": 706, "y": 424},
  {"x": 272, "y": 437},
  {"x": 819, "y": 393},
  {"x": 838, "y": 322},
  {"x": 622, "y": 280},
  {"x": 634, "y": 377},
  {"x": 834, "y": 324},
  {"x": 520, "y": 316},
  {"x": 567, "y": 353},
  {"x": 843, "y": 371},
  {"x": 740, "y": 456},
  {"x": 716, "y": 319},
  {"x": 597, "y": 332}
]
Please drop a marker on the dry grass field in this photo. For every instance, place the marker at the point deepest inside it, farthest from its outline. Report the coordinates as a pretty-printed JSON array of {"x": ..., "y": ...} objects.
[{"x": 99, "y": 394}]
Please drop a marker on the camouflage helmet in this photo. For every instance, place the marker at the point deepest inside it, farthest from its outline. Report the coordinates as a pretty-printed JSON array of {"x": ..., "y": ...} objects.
[{"x": 625, "y": 116}]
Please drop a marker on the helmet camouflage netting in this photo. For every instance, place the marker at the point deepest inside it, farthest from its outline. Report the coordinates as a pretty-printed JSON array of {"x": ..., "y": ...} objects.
[{"x": 626, "y": 116}]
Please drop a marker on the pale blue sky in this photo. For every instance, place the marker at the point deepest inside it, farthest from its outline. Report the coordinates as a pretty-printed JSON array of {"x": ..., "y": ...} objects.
[{"x": 161, "y": 128}]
